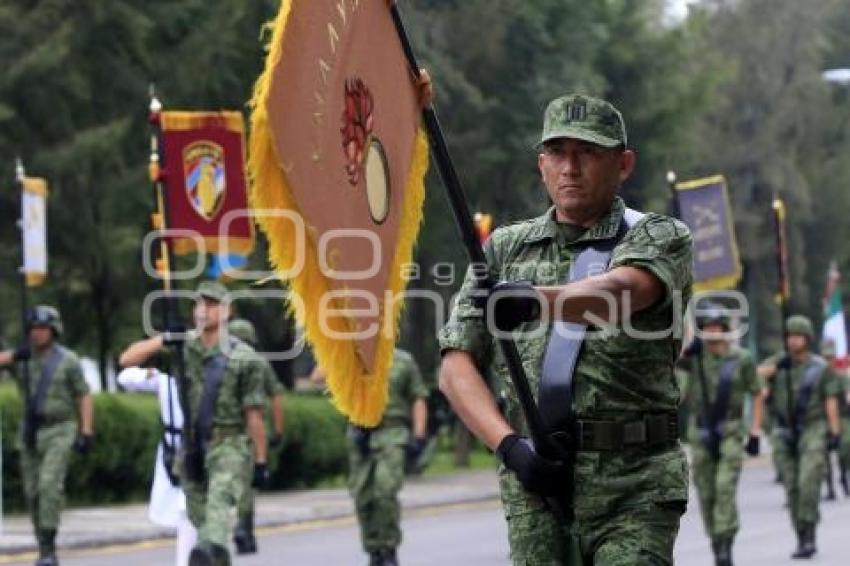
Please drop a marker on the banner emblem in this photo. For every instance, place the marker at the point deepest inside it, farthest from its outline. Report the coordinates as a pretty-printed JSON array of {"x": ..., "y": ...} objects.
[
  {"x": 203, "y": 164},
  {"x": 364, "y": 152}
]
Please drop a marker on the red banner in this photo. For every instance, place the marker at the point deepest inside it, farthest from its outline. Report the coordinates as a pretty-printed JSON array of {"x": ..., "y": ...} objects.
[{"x": 204, "y": 170}]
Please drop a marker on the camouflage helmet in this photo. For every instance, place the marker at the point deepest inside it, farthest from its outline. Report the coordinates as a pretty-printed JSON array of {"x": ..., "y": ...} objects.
[
  {"x": 47, "y": 316},
  {"x": 801, "y": 325},
  {"x": 827, "y": 348},
  {"x": 712, "y": 313},
  {"x": 243, "y": 329}
]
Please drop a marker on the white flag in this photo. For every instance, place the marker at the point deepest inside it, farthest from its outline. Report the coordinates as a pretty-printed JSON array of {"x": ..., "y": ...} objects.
[{"x": 34, "y": 217}]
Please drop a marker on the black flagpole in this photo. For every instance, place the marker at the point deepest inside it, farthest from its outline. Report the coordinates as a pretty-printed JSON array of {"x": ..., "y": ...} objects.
[
  {"x": 466, "y": 227},
  {"x": 170, "y": 312},
  {"x": 708, "y": 416},
  {"x": 29, "y": 418}
]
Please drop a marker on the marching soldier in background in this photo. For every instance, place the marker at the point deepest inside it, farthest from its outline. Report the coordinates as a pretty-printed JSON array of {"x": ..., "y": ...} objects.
[
  {"x": 800, "y": 449},
  {"x": 827, "y": 350},
  {"x": 243, "y": 536},
  {"x": 717, "y": 438},
  {"x": 58, "y": 398},
  {"x": 377, "y": 456},
  {"x": 225, "y": 395}
]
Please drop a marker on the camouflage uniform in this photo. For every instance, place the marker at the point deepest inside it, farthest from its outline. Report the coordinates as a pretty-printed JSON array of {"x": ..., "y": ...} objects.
[
  {"x": 802, "y": 471},
  {"x": 228, "y": 454},
  {"x": 628, "y": 502},
  {"x": 844, "y": 449},
  {"x": 43, "y": 468},
  {"x": 717, "y": 481},
  {"x": 376, "y": 459},
  {"x": 245, "y": 510}
]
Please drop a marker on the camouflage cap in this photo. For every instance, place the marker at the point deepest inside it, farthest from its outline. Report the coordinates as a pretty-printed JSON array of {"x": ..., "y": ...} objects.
[
  {"x": 581, "y": 117},
  {"x": 212, "y": 290},
  {"x": 799, "y": 324},
  {"x": 243, "y": 329}
]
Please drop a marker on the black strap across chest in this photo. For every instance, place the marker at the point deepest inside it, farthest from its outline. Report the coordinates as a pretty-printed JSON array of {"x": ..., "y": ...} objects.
[
  {"x": 565, "y": 342},
  {"x": 725, "y": 381},
  {"x": 214, "y": 369},
  {"x": 48, "y": 370},
  {"x": 811, "y": 377}
]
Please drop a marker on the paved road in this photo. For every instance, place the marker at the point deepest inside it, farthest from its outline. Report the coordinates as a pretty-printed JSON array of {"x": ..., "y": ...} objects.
[{"x": 474, "y": 534}]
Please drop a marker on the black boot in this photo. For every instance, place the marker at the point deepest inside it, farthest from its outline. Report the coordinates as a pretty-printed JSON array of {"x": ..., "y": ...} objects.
[
  {"x": 724, "y": 553},
  {"x": 243, "y": 536},
  {"x": 205, "y": 554},
  {"x": 383, "y": 557},
  {"x": 47, "y": 548},
  {"x": 806, "y": 543}
]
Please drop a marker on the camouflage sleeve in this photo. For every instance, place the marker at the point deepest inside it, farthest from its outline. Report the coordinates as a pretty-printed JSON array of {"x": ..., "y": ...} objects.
[
  {"x": 75, "y": 379},
  {"x": 466, "y": 329},
  {"x": 662, "y": 246},
  {"x": 831, "y": 383},
  {"x": 253, "y": 381},
  {"x": 271, "y": 383},
  {"x": 752, "y": 381}
]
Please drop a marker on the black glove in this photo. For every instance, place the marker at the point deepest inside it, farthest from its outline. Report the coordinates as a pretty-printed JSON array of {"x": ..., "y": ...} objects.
[
  {"x": 784, "y": 363},
  {"x": 83, "y": 444},
  {"x": 512, "y": 303},
  {"x": 415, "y": 448},
  {"x": 693, "y": 349},
  {"x": 261, "y": 475},
  {"x": 753, "y": 445},
  {"x": 22, "y": 353},
  {"x": 275, "y": 440},
  {"x": 174, "y": 334},
  {"x": 833, "y": 442},
  {"x": 535, "y": 473}
]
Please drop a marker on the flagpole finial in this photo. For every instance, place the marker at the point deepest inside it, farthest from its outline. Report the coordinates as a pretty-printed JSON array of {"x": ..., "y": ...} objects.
[
  {"x": 19, "y": 169},
  {"x": 671, "y": 177},
  {"x": 156, "y": 105}
]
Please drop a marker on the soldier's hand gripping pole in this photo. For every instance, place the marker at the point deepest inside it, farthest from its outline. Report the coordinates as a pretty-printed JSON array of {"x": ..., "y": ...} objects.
[
  {"x": 545, "y": 445},
  {"x": 783, "y": 296}
]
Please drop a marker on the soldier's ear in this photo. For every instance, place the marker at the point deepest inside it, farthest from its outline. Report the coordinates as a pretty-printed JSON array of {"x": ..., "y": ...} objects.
[{"x": 628, "y": 160}]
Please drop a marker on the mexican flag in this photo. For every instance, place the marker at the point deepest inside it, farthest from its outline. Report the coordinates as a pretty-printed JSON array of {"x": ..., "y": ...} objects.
[{"x": 834, "y": 328}]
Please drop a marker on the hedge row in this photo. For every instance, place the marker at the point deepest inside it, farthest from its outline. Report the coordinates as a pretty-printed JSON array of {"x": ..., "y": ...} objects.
[{"x": 120, "y": 467}]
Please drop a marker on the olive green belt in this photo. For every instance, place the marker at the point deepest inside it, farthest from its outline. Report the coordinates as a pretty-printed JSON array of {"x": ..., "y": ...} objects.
[{"x": 652, "y": 431}]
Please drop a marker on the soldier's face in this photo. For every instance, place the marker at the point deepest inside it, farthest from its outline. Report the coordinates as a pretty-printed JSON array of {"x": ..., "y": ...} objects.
[
  {"x": 209, "y": 314},
  {"x": 41, "y": 336},
  {"x": 797, "y": 343},
  {"x": 715, "y": 337},
  {"x": 582, "y": 178}
]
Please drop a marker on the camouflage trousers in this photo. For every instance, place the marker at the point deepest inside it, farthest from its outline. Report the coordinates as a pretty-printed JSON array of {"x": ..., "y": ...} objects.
[
  {"x": 802, "y": 473},
  {"x": 717, "y": 486},
  {"x": 375, "y": 476},
  {"x": 844, "y": 449},
  {"x": 637, "y": 532},
  {"x": 245, "y": 506},
  {"x": 211, "y": 503},
  {"x": 43, "y": 472}
]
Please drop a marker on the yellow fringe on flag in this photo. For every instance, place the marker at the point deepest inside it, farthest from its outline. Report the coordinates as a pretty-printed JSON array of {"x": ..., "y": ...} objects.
[{"x": 359, "y": 395}]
